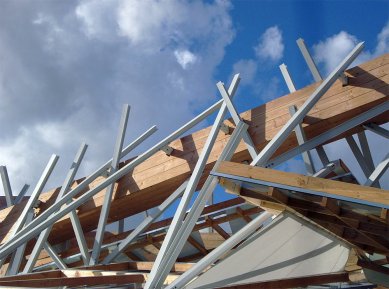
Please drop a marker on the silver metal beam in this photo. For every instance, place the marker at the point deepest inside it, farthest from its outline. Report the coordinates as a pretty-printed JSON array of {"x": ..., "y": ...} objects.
[
  {"x": 54, "y": 256},
  {"x": 359, "y": 156},
  {"x": 236, "y": 117},
  {"x": 308, "y": 59},
  {"x": 298, "y": 117},
  {"x": 17, "y": 256},
  {"x": 109, "y": 192},
  {"x": 50, "y": 216},
  {"x": 377, "y": 129},
  {"x": 366, "y": 150},
  {"x": 35, "y": 195},
  {"x": 186, "y": 228},
  {"x": 287, "y": 78},
  {"x": 322, "y": 155},
  {"x": 378, "y": 172},
  {"x": 218, "y": 252},
  {"x": 301, "y": 138},
  {"x": 190, "y": 189},
  {"x": 21, "y": 194},
  {"x": 6, "y": 185},
  {"x": 42, "y": 239},
  {"x": 145, "y": 223},
  {"x": 330, "y": 134}
]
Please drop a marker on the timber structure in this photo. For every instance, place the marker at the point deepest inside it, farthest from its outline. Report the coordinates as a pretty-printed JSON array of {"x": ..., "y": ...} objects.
[{"x": 331, "y": 228}]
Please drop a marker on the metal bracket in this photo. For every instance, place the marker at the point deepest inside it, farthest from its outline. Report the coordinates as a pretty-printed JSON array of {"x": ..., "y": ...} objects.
[
  {"x": 168, "y": 150},
  {"x": 344, "y": 79},
  {"x": 225, "y": 128}
]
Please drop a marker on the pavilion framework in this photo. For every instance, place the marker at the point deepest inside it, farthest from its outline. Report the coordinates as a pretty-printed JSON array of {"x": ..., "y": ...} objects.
[{"x": 278, "y": 230}]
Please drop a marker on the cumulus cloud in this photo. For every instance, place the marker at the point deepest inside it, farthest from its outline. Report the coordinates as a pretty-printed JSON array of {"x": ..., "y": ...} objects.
[
  {"x": 270, "y": 44},
  {"x": 185, "y": 58},
  {"x": 67, "y": 68},
  {"x": 247, "y": 68},
  {"x": 331, "y": 51},
  {"x": 383, "y": 41}
]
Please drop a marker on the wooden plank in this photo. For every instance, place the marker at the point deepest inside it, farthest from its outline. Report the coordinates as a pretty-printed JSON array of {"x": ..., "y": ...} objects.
[
  {"x": 152, "y": 181},
  {"x": 294, "y": 282},
  {"x": 124, "y": 278},
  {"x": 298, "y": 181}
]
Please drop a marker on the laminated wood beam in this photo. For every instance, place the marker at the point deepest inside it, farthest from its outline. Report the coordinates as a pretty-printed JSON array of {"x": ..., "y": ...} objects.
[
  {"x": 152, "y": 181},
  {"x": 295, "y": 282}
]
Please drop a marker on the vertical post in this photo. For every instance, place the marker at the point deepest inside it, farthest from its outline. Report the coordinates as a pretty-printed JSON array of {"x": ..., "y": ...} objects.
[
  {"x": 308, "y": 59},
  {"x": 7, "y": 186},
  {"x": 108, "y": 194}
]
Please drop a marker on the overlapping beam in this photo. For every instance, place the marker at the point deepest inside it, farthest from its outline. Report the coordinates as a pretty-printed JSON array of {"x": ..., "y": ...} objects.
[{"x": 152, "y": 181}]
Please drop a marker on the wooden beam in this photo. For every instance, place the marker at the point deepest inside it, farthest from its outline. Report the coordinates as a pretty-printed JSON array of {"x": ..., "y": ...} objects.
[
  {"x": 294, "y": 282},
  {"x": 298, "y": 181},
  {"x": 152, "y": 181},
  {"x": 123, "y": 278},
  {"x": 197, "y": 245}
]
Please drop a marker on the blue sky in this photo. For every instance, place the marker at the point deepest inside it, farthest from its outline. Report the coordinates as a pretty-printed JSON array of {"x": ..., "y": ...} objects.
[{"x": 67, "y": 67}]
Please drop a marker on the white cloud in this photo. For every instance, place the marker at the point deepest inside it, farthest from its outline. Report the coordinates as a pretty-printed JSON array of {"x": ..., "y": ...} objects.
[
  {"x": 68, "y": 68},
  {"x": 270, "y": 44},
  {"x": 185, "y": 58},
  {"x": 331, "y": 51},
  {"x": 247, "y": 68},
  {"x": 383, "y": 41}
]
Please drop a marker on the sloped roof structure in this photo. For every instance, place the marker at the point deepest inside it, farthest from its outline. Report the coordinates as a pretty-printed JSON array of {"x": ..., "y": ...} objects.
[{"x": 278, "y": 230}]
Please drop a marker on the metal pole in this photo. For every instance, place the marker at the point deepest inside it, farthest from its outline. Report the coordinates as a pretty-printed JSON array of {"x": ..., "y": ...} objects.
[
  {"x": 213, "y": 256},
  {"x": 108, "y": 194},
  {"x": 377, "y": 129},
  {"x": 6, "y": 185},
  {"x": 287, "y": 78},
  {"x": 236, "y": 117},
  {"x": 330, "y": 134},
  {"x": 42, "y": 239},
  {"x": 301, "y": 138},
  {"x": 308, "y": 59},
  {"x": 281, "y": 136},
  {"x": 50, "y": 216},
  {"x": 145, "y": 223},
  {"x": 21, "y": 194},
  {"x": 186, "y": 228},
  {"x": 378, "y": 172},
  {"x": 190, "y": 188}
]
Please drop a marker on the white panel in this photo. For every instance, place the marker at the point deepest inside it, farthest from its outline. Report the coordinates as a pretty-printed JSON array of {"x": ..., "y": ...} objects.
[{"x": 289, "y": 247}]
